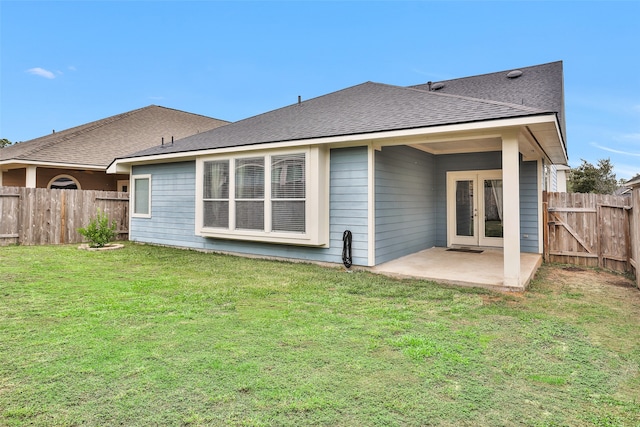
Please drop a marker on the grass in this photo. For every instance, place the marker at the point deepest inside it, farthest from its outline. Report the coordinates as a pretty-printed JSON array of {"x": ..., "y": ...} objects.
[{"x": 159, "y": 336}]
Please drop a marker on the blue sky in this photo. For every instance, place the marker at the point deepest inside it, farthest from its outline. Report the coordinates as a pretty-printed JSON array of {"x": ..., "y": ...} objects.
[{"x": 63, "y": 64}]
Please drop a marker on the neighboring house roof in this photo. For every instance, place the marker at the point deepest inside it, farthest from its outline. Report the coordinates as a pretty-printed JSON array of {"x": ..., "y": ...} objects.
[
  {"x": 538, "y": 86},
  {"x": 98, "y": 143},
  {"x": 365, "y": 108},
  {"x": 633, "y": 182}
]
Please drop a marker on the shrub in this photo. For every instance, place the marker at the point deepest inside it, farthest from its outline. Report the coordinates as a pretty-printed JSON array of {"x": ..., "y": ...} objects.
[{"x": 99, "y": 232}]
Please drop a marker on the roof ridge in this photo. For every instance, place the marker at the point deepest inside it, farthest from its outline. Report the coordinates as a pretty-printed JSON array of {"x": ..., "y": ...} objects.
[
  {"x": 80, "y": 130},
  {"x": 186, "y": 112},
  {"x": 491, "y": 73},
  {"x": 470, "y": 98},
  {"x": 491, "y": 101}
]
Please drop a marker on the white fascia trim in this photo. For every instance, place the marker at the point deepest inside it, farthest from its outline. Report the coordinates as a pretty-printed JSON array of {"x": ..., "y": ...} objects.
[
  {"x": 21, "y": 163},
  {"x": 562, "y": 141},
  {"x": 119, "y": 164}
]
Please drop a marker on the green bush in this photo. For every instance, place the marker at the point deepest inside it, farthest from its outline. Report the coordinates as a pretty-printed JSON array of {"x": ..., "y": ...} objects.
[{"x": 99, "y": 232}]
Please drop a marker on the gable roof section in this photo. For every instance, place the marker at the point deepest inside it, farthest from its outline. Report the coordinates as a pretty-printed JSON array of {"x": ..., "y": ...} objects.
[
  {"x": 98, "y": 143},
  {"x": 539, "y": 86},
  {"x": 365, "y": 108}
]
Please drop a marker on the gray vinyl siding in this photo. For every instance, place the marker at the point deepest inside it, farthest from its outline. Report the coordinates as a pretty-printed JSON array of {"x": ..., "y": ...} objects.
[
  {"x": 404, "y": 202},
  {"x": 349, "y": 209},
  {"x": 529, "y": 207},
  {"x": 172, "y": 219}
]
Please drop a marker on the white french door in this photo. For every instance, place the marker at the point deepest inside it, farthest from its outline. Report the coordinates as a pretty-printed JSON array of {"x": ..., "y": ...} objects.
[{"x": 474, "y": 208}]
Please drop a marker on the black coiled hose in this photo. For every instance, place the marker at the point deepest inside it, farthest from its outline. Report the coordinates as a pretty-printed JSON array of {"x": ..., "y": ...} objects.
[{"x": 347, "y": 259}]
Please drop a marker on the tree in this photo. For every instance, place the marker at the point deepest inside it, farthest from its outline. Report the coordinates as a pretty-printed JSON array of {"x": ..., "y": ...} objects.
[
  {"x": 4, "y": 142},
  {"x": 588, "y": 178}
]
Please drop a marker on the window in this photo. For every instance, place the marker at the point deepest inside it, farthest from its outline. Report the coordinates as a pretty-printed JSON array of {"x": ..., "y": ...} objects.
[
  {"x": 216, "y": 194},
  {"x": 123, "y": 185},
  {"x": 64, "y": 182},
  {"x": 249, "y": 194},
  {"x": 141, "y": 196},
  {"x": 264, "y": 198},
  {"x": 288, "y": 193}
]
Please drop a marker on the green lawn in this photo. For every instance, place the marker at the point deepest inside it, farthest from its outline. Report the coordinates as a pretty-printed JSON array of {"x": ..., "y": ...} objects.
[{"x": 158, "y": 336}]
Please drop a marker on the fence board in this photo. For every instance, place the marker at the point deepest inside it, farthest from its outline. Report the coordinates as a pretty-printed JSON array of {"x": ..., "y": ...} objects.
[
  {"x": 590, "y": 230},
  {"x": 38, "y": 216}
]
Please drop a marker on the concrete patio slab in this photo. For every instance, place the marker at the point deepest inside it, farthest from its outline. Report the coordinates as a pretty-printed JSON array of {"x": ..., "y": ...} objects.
[{"x": 472, "y": 269}]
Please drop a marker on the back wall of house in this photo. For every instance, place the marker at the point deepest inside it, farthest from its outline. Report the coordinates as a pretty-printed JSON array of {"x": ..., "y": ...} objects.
[
  {"x": 405, "y": 202},
  {"x": 173, "y": 198}
]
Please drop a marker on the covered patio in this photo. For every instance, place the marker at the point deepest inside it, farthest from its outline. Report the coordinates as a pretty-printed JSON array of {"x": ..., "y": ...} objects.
[{"x": 473, "y": 267}]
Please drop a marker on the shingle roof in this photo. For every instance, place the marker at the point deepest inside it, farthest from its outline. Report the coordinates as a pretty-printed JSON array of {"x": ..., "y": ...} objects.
[
  {"x": 98, "y": 143},
  {"x": 539, "y": 86},
  {"x": 365, "y": 108}
]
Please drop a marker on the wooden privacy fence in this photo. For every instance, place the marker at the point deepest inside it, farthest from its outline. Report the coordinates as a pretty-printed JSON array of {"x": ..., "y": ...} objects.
[
  {"x": 592, "y": 230},
  {"x": 39, "y": 216}
]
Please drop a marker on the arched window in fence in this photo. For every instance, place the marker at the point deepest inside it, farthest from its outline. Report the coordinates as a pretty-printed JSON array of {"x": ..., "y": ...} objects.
[{"x": 64, "y": 182}]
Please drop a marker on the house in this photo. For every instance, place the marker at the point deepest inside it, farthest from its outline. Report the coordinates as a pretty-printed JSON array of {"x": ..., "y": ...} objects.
[
  {"x": 627, "y": 188},
  {"x": 78, "y": 157},
  {"x": 458, "y": 163}
]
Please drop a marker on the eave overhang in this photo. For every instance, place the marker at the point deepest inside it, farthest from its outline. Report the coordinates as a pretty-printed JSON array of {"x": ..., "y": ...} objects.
[
  {"x": 544, "y": 128},
  {"x": 22, "y": 163}
]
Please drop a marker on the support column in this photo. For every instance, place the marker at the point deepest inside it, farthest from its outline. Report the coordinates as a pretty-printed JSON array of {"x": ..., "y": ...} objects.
[
  {"x": 635, "y": 231},
  {"x": 371, "y": 204},
  {"x": 541, "y": 225},
  {"x": 1, "y": 173},
  {"x": 511, "y": 208},
  {"x": 30, "y": 180}
]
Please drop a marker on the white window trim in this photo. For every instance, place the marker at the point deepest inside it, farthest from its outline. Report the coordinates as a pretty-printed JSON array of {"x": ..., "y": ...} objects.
[
  {"x": 133, "y": 196},
  {"x": 57, "y": 177},
  {"x": 316, "y": 200}
]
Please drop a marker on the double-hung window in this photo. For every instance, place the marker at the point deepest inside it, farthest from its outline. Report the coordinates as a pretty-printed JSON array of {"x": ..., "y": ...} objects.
[
  {"x": 288, "y": 191},
  {"x": 249, "y": 194},
  {"x": 264, "y": 197}
]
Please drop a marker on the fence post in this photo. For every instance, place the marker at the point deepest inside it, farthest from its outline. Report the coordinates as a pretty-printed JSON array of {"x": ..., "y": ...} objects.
[
  {"x": 635, "y": 231},
  {"x": 598, "y": 230},
  {"x": 545, "y": 227},
  {"x": 627, "y": 236}
]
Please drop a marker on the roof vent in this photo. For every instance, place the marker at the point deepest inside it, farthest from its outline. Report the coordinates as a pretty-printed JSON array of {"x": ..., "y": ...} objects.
[
  {"x": 514, "y": 74},
  {"x": 437, "y": 86}
]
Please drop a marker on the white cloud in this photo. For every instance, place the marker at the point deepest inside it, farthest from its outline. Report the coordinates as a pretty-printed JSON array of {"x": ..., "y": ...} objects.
[
  {"x": 632, "y": 136},
  {"x": 72, "y": 68},
  {"x": 41, "y": 72},
  {"x": 612, "y": 150}
]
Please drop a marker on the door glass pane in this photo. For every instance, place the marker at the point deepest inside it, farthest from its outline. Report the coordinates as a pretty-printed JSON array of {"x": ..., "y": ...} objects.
[
  {"x": 493, "y": 208},
  {"x": 464, "y": 208}
]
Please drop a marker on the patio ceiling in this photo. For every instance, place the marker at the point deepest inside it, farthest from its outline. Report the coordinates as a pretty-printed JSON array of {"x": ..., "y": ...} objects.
[{"x": 536, "y": 140}]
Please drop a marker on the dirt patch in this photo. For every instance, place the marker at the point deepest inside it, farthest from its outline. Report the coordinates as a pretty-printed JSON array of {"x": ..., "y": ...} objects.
[
  {"x": 573, "y": 269},
  {"x": 622, "y": 283},
  {"x": 602, "y": 284}
]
